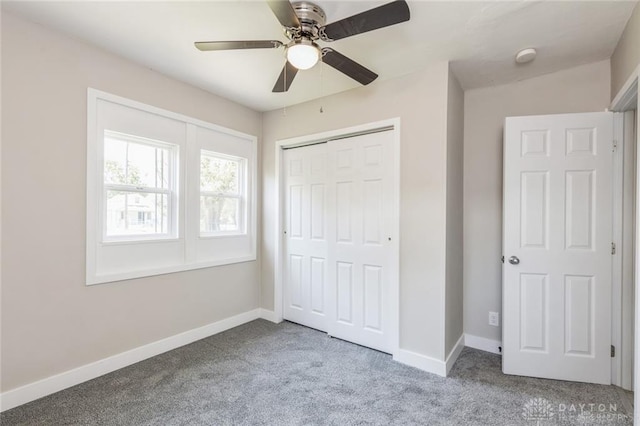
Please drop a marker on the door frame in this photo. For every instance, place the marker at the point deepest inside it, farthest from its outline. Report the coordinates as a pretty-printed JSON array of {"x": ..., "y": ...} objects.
[
  {"x": 628, "y": 98},
  {"x": 392, "y": 125},
  {"x": 621, "y": 306}
]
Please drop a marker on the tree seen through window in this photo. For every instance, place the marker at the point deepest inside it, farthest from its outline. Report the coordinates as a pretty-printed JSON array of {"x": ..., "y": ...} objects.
[{"x": 221, "y": 201}]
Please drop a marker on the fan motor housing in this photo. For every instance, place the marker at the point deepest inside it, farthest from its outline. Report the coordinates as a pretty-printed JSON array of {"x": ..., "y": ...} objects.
[{"x": 311, "y": 18}]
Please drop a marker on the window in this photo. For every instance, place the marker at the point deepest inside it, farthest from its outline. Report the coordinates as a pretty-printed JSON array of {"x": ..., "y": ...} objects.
[
  {"x": 165, "y": 192},
  {"x": 139, "y": 187},
  {"x": 221, "y": 194}
]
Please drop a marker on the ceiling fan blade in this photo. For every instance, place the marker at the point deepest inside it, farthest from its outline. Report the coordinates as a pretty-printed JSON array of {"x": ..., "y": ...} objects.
[
  {"x": 379, "y": 17},
  {"x": 347, "y": 66},
  {"x": 230, "y": 45},
  {"x": 286, "y": 78},
  {"x": 285, "y": 13}
]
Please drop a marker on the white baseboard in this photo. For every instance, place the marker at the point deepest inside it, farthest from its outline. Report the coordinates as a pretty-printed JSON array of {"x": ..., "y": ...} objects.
[
  {"x": 49, "y": 385},
  {"x": 428, "y": 364},
  {"x": 421, "y": 362},
  {"x": 454, "y": 354},
  {"x": 483, "y": 344},
  {"x": 268, "y": 315}
]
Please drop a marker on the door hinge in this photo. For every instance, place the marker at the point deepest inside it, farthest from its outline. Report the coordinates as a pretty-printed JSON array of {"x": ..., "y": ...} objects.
[
  {"x": 613, "y": 248},
  {"x": 613, "y": 351},
  {"x": 615, "y": 145}
]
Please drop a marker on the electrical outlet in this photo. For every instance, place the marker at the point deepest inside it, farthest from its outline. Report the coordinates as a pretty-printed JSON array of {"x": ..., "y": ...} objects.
[{"x": 494, "y": 319}]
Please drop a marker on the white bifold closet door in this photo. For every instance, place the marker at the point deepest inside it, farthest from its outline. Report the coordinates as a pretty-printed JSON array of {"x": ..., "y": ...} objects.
[
  {"x": 306, "y": 245},
  {"x": 338, "y": 252}
]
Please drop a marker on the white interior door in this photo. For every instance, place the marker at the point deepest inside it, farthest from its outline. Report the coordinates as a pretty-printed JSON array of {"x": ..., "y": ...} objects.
[
  {"x": 338, "y": 262},
  {"x": 557, "y": 246}
]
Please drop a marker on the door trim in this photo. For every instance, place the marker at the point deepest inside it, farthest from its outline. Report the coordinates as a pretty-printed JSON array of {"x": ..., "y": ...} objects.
[
  {"x": 627, "y": 99},
  {"x": 393, "y": 125},
  {"x": 622, "y": 287}
]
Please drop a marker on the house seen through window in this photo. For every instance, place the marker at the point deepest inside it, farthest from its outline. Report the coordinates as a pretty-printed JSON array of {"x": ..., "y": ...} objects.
[{"x": 138, "y": 177}]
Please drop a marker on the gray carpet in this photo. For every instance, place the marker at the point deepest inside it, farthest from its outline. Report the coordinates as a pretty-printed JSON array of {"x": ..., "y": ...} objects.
[{"x": 266, "y": 374}]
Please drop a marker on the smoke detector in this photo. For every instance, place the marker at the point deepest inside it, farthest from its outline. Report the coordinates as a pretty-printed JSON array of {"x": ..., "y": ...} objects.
[{"x": 526, "y": 55}]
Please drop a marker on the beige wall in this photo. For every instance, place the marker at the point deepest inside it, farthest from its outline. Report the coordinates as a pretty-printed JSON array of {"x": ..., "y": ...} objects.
[
  {"x": 580, "y": 89},
  {"x": 454, "y": 249},
  {"x": 626, "y": 57},
  {"x": 420, "y": 100},
  {"x": 51, "y": 321}
]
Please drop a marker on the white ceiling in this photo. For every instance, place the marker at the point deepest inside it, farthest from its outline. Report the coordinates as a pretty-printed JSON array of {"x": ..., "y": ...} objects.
[{"x": 480, "y": 38}]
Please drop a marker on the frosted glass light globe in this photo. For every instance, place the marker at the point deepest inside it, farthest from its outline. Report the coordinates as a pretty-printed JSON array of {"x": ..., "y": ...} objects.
[{"x": 303, "y": 55}]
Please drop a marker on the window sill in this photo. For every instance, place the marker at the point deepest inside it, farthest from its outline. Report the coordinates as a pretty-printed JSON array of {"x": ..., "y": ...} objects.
[
  {"x": 222, "y": 235},
  {"x": 103, "y": 279},
  {"x": 126, "y": 241}
]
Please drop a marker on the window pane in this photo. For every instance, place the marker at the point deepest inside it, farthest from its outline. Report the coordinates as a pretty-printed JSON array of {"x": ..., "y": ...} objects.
[
  {"x": 136, "y": 213},
  {"x": 219, "y": 174},
  {"x": 115, "y": 161},
  {"x": 219, "y": 214},
  {"x": 131, "y": 163}
]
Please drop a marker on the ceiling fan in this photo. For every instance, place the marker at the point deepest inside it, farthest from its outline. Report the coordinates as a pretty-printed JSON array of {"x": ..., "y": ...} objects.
[{"x": 304, "y": 24}]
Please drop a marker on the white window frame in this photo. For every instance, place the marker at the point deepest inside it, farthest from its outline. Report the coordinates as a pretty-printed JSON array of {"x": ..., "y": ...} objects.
[
  {"x": 112, "y": 259},
  {"x": 241, "y": 195},
  {"x": 171, "y": 192}
]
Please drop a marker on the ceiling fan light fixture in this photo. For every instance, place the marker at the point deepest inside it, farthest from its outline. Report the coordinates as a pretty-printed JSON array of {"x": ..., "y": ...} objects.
[{"x": 303, "y": 54}]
